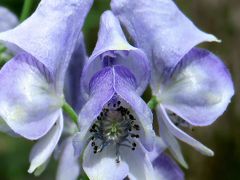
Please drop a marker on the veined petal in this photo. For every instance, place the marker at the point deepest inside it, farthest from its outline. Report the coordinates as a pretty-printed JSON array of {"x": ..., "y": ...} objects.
[
  {"x": 200, "y": 88},
  {"x": 124, "y": 89},
  {"x": 69, "y": 167},
  {"x": 28, "y": 101},
  {"x": 160, "y": 29},
  {"x": 112, "y": 48},
  {"x": 101, "y": 90},
  {"x": 51, "y": 43},
  {"x": 101, "y": 166},
  {"x": 166, "y": 168},
  {"x": 171, "y": 141},
  {"x": 8, "y": 20},
  {"x": 72, "y": 86},
  {"x": 45, "y": 146},
  {"x": 182, "y": 135}
]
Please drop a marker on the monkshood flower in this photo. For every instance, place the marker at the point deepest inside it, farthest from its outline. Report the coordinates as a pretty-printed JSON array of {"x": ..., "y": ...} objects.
[
  {"x": 32, "y": 98},
  {"x": 115, "y": 123},
  {"x": 192, "y": 87}
]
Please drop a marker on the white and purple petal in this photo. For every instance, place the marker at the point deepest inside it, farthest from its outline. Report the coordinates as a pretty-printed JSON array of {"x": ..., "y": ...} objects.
[
  {"x": 182, "y": 135},
  {"x": 103, "y": 165},
  {"x": 199, "y": 89},
  {"x": 126, "y": 91},
  {"x": 28, "y": 101},
  {"x": 112, "y": 48},
  {"x": 171, "y": 141},
  {"x": 44, "y": 148},
  {"x": 161, "y": 30},
  {"x": 51, "y": 43}
]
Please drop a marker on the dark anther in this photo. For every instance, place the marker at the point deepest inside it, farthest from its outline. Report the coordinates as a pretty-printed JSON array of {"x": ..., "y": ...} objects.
[
  {"x": 93, "y": 143},
  {"x": 134, "y": 144},
  {"x": 131, "y": 117},
  {"x": 136, "y": 127},
  {"x": 119, "y": 102},
  {"x": 133, "y": 148},
  {"x": 117, "y": 160},
  {"x": 94, "y": 152},
  {"x": 95, "y": 148}
]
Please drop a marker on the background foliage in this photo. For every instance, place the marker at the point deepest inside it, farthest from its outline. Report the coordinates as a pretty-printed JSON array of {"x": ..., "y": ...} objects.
[{"x": 219, "y": 17}]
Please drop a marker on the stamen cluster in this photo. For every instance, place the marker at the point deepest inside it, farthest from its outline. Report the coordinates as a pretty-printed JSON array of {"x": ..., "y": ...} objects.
[{"x": 114, "y": 126}]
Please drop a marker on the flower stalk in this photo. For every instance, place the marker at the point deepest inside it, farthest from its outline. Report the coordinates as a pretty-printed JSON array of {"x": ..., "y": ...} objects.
[
  {"x": 26, "y": 10},
  {"x": 70, "y": 112},
  {"x": 152, "y": 104}
]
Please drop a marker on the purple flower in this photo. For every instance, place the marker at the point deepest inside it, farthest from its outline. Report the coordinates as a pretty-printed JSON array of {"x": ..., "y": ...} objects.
[
  {"x": 33, "y": 80},
  {"x": 192, "y": 86},
  {"x": 115, "y": 123}
]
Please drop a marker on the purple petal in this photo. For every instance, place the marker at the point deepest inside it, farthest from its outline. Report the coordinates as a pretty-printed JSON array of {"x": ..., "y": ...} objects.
[
  {"x": 166, "y": 168},
  {"x": 101, "y": 90},
  {"x": 182, "y": 135},
  {"x": 46, "y": 34},
  {"x": 160, "y": 29},
  {"x": 144, "y": 114},
  {"x": 45, "y": 146},
  {"x": 28, "y": 101},
  {"x": 171, "y": 141},
  {"x": 200, "y": 88},
  {"x": 72, "y": 86},
  {"x": 112, "y": 48},
  {"x": 103, "y": 165},
  {"x": 68, "y": 167},
  {"x": 8, "y": 20}
]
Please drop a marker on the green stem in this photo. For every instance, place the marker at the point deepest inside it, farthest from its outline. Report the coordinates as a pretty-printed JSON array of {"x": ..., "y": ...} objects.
[
  {"x": 26, "y": 10},
  {"x": 152, "y": 104},
  {"x": 70, "y": 112}
]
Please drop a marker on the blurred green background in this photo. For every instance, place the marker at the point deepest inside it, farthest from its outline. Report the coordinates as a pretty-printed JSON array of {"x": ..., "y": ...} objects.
[{"x": 219, "y": 17}]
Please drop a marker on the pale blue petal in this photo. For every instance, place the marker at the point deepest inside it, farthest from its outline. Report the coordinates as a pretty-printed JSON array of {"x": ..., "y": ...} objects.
[
  {"x": 51, "y": 33},
  {"x": 45, "y": 146},
  {"x": 28, "y": 102}
]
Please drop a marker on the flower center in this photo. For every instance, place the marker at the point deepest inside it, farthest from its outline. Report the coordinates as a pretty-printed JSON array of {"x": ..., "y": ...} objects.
[{"x": 114, "y": 126}]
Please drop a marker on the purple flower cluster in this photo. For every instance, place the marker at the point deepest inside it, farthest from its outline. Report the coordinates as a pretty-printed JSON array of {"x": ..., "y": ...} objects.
[{"x": 114, "y": 136}]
